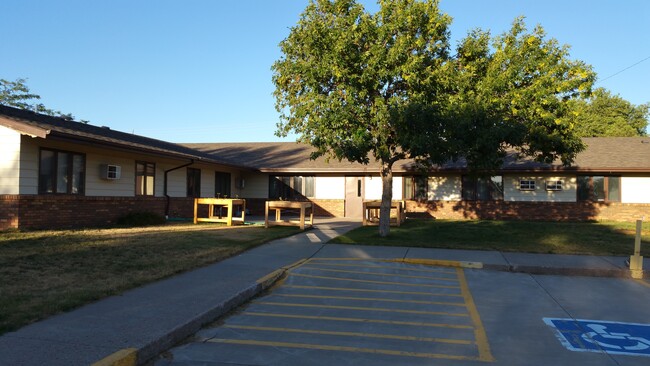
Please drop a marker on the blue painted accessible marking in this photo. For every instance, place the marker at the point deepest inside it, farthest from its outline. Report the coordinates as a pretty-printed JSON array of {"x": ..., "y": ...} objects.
[{"x": 602, "y": 336}]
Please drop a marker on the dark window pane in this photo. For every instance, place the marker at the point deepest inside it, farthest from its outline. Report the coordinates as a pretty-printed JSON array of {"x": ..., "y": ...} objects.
[
  {"x": 309, "y": 186},
  {"x": 78, "y": 170},
  {"x": 222, "y": 185},
  {"x": 614, "y": 189},
  {"x": 193, "y": 182},
  {"x": 469, "y": 188},
  {"x": 297, "y": 185},
  {"x": 409, "y": 191},
  {"x": 62, "y": 172},
  {"x": 496, "y": 187},
  {"x": 46, "y": 174},
  {"x": 584, "y": 188},
  {"x": 598, "y": 188}
]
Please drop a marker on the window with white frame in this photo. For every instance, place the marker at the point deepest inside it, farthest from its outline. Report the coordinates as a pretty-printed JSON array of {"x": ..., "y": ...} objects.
[
  {"x": 554, "y": 185},
  {"x": 526, "y": 185}
]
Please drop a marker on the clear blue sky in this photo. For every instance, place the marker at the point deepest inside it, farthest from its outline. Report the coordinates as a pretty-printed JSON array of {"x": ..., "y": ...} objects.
[{"x": 199, "y": 70}]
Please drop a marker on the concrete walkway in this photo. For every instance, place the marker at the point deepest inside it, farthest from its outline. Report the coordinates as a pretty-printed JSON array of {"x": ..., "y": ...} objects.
[{"x": 141, "y": 323}]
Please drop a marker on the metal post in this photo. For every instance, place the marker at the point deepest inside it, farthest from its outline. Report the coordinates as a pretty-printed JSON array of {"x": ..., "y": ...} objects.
[{"x": 636, "y": 260}]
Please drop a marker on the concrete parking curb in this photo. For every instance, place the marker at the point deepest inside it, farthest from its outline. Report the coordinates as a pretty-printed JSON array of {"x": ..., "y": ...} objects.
[{"x": 138, "y": 356}]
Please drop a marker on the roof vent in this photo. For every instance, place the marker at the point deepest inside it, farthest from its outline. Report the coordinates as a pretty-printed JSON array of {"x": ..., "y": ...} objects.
[{"x": 106, "y": 127}]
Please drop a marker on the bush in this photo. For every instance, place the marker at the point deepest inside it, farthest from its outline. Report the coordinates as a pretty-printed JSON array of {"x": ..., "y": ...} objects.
[{"x": 141, "y": 219}]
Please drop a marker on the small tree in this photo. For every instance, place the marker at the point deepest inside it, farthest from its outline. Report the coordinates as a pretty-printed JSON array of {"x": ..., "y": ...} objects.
[
  {"x": 358, "y": 86},
  {"x": 604, "y": 114},
  {"x": 16, "y": 94}
]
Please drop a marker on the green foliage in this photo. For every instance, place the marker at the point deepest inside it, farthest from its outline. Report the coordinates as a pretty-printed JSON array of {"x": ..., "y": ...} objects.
[
  {"x": 358, "y": 86},
  {"x": 604, "y": 114},
  {"x": 516, "y": 94},
  {"x": 16, "y": 94},
  {"x": 141, "y": 219}
]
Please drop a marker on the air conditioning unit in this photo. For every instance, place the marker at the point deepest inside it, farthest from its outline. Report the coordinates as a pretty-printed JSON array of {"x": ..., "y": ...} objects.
[{"x": 111, "y": 172}]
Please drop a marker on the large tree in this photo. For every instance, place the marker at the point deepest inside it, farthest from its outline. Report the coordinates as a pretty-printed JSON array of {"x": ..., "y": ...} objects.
[
  {"x": 383, "y": 86},
  {"x": 604, "y": 114},
  {"x": 17, "y": 94}
]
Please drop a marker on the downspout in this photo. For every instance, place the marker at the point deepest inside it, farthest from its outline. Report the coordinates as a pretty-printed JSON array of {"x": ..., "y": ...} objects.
[{"x": 165, "y": 189}]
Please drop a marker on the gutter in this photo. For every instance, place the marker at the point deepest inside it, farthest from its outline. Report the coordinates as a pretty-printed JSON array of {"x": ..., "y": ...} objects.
[{"x": 165, "y": 189}]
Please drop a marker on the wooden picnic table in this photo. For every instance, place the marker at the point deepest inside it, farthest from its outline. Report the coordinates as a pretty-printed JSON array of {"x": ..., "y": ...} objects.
[
  {"x": 278, "y": 206},
  {"x": 371, "y": 212},
  {"x": 220, "y": 204}
]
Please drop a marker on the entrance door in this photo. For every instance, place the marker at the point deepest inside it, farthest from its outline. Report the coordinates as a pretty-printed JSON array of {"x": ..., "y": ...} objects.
[{"x": 354, "y": 193}]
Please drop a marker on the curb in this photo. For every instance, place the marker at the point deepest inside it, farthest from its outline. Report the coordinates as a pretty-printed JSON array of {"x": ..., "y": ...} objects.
[{"x": 139, "y": 356}]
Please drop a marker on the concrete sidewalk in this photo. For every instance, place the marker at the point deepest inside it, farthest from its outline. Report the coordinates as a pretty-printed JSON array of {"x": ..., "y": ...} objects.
[{"x": 143, "y": 322}]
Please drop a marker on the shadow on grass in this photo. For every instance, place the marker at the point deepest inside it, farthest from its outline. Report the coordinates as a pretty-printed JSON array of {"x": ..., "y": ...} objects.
[{"x": 607, "y": 238}]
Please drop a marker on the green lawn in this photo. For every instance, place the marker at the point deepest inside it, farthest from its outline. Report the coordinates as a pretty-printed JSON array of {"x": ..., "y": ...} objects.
[
  {"x": 597, "y": 238},
  {"x": 47, "y": 272}
]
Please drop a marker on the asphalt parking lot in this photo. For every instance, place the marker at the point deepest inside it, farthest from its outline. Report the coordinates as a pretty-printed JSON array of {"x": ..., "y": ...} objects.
[{"x": 363, "y": 311}]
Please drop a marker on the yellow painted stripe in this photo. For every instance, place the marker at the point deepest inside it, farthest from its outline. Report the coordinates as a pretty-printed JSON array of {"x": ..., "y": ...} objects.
[
  {"x": 372, "y": 299},
  {"x": 369, "y": 281},
  {"x": 360, "y": 308},
  {"x": 438, "y": 262},
  {"x": 644, "y": 283},
  {"x": 479, "y": 330},
  {"x": 324, "y": 347},
  {"x": 123, "y": 357},
  {"x": 360, "y": 320},
  {"x": 351, "y": 334},
  {"x": 368, "y": 290},
  {"x": 354, "y": 265},
  {"x": 381, "y": 274}
]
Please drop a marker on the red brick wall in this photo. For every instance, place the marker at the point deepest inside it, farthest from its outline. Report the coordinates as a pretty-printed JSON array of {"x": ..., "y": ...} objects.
[
  {"x": 329, "y": 208},
  {"x": 8, "y": 212},
  {"x": 540, "y": 211},
  {"x": 45, "y": 212}
]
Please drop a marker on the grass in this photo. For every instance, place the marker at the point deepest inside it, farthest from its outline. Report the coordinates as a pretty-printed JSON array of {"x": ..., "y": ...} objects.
[
  {"x": 47, "y": 272},
  {"x": 597, "y": 238}
]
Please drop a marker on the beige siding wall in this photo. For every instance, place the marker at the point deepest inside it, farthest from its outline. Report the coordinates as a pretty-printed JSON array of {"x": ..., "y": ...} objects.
[
  {"x": 10, "y": 162},
  {"x": 445, "y": 188},
  {"x": 373, "y": 188},
  {"x": 257, "y": 186},
  {"x": 29, "y": 155},
  {"x": 635, "y": 189},
  {"x": 125, "y": 186},
  {"x": 329, "y": 188},
  {"x": 511, "y": 191}
]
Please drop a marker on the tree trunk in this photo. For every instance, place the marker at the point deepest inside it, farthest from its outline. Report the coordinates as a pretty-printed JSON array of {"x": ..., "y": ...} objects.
[{"x": 386, "y": 198}]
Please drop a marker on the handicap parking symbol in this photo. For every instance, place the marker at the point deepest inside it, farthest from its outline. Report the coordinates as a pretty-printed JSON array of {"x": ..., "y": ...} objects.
[{"x": 602, "y": 336}]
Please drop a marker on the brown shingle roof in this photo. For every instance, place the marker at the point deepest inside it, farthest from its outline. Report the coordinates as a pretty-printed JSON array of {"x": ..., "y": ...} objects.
[
  {"x": 603, "y": 154},
  {"x": 54, "y": 127}
]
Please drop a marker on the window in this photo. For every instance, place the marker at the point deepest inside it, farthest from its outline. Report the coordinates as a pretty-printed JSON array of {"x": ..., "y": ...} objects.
[
  {"x": 193, "y": 182},
  {"x": 145, "y": 174},
  {"x": 527, "y": 185},
  {"x": 554, "y": 185},
  {"x": 482, "y": 188},
  {"x": 599, "y": 188},
  {"x": 415, "y": 188},
  {"x": 222, "y": 182},
  {"x": 291, "y": 188},
  {"x": 61, "y": 172}
]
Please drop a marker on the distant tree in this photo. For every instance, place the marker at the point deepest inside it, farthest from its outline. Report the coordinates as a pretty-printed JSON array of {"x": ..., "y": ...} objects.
[
  {"x": 358, "y": 86},
  {"x": 604, "y": 114},
  {"x": 16, "y": 94}
]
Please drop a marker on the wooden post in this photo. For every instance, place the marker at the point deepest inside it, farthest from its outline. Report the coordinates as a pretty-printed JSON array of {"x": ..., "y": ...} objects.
[
  {"x": 266, "y": 215},
  {"x": 230, "y": 212},
  {"x": 302, "y": 217},
  {"x": 196, "y": 210},
  {"x": 636, "y": 260}
]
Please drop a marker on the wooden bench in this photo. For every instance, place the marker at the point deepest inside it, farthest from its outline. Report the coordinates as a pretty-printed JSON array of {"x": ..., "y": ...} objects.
[
  {"x": 220, "y": 204},
  {"x": 278, "y": 206},
  {"x": 371, "y": 212}
]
